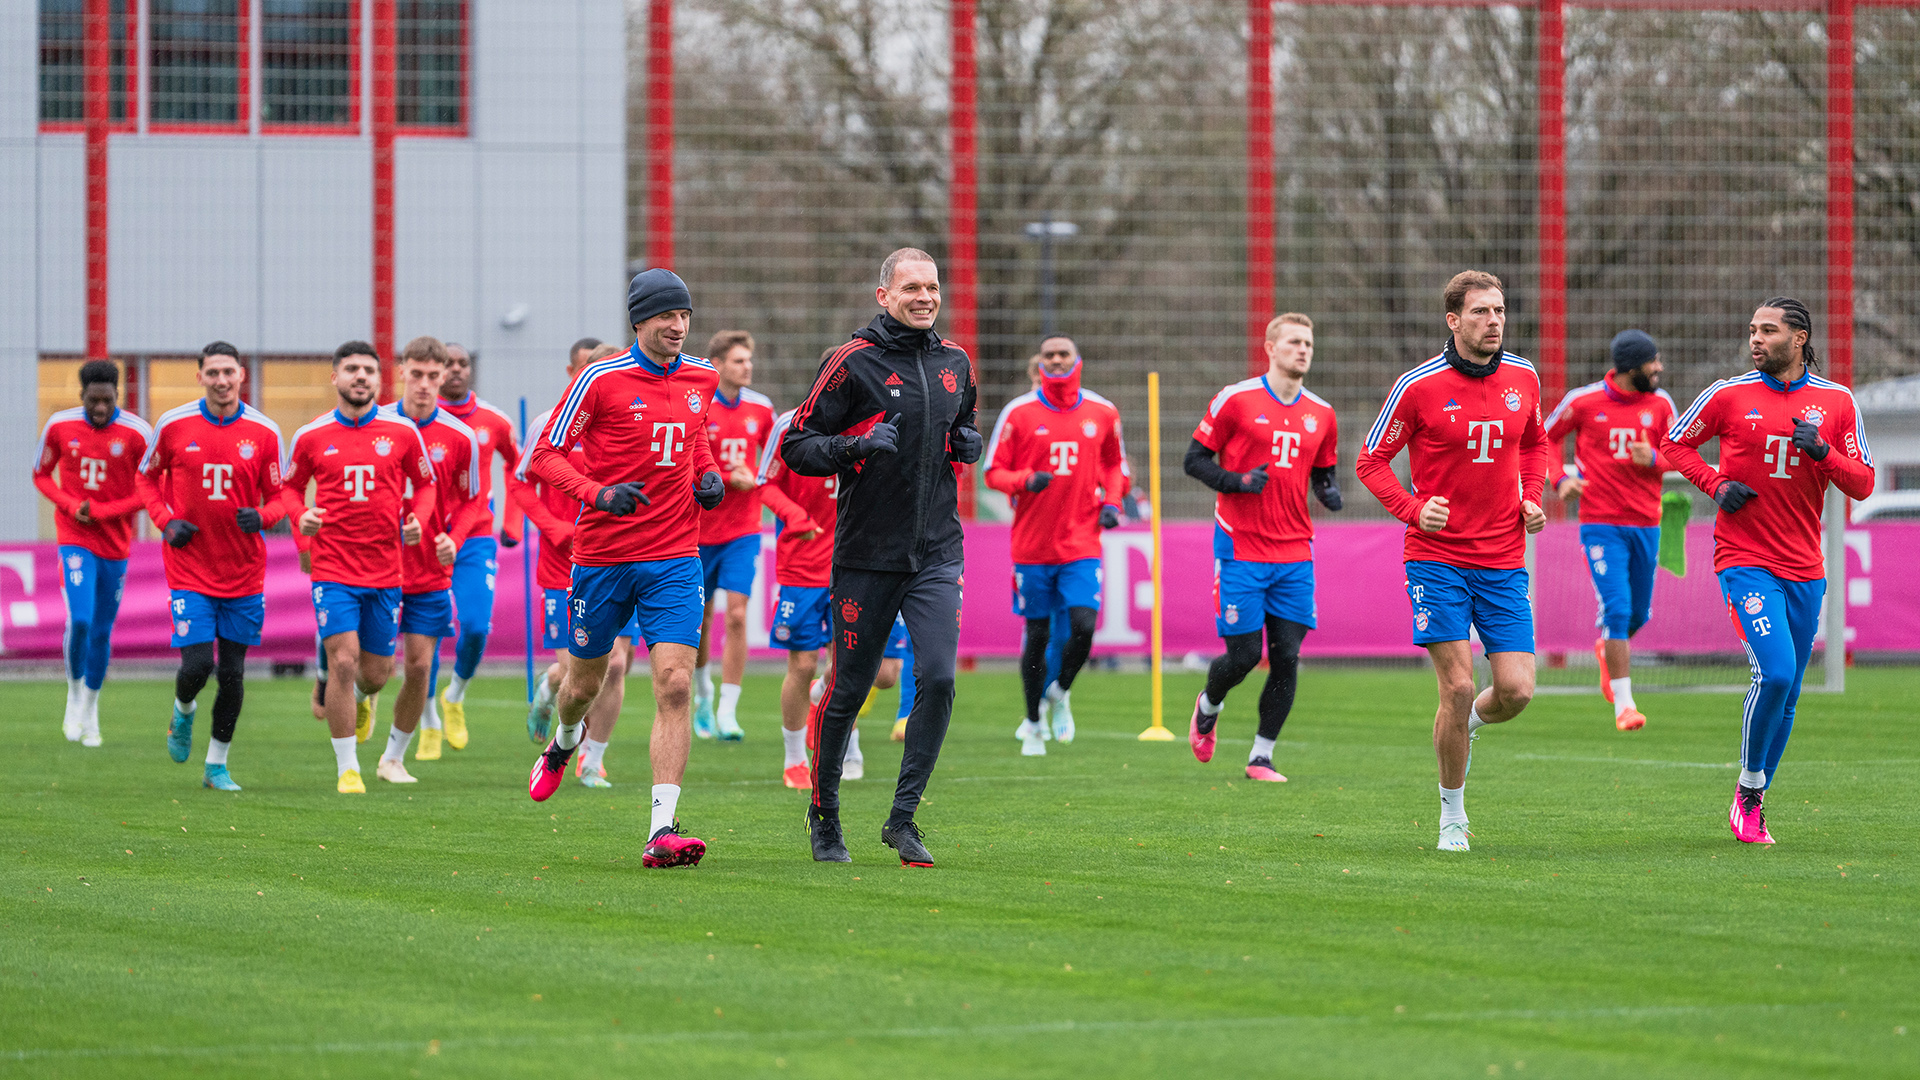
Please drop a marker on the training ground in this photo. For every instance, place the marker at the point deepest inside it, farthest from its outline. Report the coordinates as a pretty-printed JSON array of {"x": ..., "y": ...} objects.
[{"x": 1113, "y": 909}]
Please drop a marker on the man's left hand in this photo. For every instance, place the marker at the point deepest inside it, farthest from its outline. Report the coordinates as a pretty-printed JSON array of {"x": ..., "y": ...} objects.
[
  {"x": 411, "y": 532},
  {"x": 710, "y": 490},
  {"x": 1807, "y": 440},
  {"x": 966, "y": 444},
  {"x": 740, "y": 478},
  {"x": 1109, "y": 516},
  {"x": 1641, "y": 452},
  {"x": 1532, "y": 516},
  {"x": 445, "y": 549}
]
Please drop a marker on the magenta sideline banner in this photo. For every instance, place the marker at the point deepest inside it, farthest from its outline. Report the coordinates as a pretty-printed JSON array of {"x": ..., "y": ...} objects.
[{"x": 1363, "y": 604}]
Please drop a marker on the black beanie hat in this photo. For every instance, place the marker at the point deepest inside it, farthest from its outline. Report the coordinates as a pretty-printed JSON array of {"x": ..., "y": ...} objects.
[
  {"x": 1631, "y": 348},
  {"x": 654, "y": 291}
]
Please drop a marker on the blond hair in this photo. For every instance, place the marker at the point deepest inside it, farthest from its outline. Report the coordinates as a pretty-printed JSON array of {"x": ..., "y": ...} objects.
[{"x": 1282, "y": 319}]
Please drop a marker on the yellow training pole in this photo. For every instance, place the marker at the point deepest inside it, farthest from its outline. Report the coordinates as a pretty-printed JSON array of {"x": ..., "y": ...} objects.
[{"x": 1158, "y": 732}]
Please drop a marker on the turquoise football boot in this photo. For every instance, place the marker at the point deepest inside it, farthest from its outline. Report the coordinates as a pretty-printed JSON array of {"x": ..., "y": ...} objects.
[
  {"x": 219, "y": 779},
  {"x": 703, "y": 718},
  {"x": 180, "y": 735}
]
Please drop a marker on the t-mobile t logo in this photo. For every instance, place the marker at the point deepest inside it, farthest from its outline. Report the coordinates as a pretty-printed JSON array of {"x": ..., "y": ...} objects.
[
  {"x": 1620, "y": 440},
  {"x": 93, "y": 471},
  {"x": 666, "y": 441},
  {"x": 1064, "y": 456},
  {"x": 358, "y": 482},
  {"x": 216, "y": 479},
  {"x": 1483, "y": 436},
  {"x": 733, "y": 453},
  {"x": 1780, "y": 455},
  {"x": 1286, "y": 448}
]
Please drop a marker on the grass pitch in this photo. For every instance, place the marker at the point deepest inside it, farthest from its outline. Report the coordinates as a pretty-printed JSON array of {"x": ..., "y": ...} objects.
[{"x": 1113, "y": 909}]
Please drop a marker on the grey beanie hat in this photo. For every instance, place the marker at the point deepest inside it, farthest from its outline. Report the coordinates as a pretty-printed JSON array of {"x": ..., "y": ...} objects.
[{"x": 654, "y": 291}]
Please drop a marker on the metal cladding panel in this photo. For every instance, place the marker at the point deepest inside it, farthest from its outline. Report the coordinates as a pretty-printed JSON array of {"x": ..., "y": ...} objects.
[
  {"x": 316, "y": 251},
  {"x": 535, "y": 66},
  {"x": 436, "y": 239},
  {"x": 529, "y": 210},
  {"x": 62, "y": 240},
  {"x": 19, "y": 69},
  {"x": 183, "y": 243}
]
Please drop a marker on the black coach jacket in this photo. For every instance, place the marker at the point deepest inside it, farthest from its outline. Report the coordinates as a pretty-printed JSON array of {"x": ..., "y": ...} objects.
[{"x": 897, "y": 511}]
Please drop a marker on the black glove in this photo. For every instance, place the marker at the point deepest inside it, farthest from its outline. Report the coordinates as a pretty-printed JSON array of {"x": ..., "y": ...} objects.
[
  {"x": 621, "y": 499},
  {"x": 1732, "y": 495},
  {"x": 710, "y": 490},
  {"x": 1038, "y": 481},
  {"x": 1255, "y": 482},
  {"x": 966, "y": 445},
  {"x": 1806, "y": 439},
  {"x": 882, "y": 436},
  {"x": 248, "y": 518},
  {"x": 508, "y": 540},
  {"x": 179, "y": 532},
  {"x": 1326, "y": 488},
  {"x": 1109, "y": 517}
]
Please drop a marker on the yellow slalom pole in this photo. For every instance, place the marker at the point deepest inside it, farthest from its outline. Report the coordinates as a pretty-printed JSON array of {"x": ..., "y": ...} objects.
[{"x": 1158, "y": 732}]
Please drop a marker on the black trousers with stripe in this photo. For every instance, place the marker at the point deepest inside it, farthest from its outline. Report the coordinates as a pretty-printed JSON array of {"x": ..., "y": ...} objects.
[{"x": 864, "y": 603}]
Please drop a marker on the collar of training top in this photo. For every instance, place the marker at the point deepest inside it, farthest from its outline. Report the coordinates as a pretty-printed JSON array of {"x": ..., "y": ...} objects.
[
  {"x": 890, "y": 333},
  {"x": 1463, "y": 366}
]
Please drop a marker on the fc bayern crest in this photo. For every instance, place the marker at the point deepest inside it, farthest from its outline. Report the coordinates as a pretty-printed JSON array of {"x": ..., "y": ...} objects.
[
  {"x": 850, "y": 611},
  {"x": 1753, "y": 604},
  {"x": 949, "y": 380},
  {"x": 1814, "y": 415},
  {"x": 438, "y": 453},
  {"x": 580, "y": 636},
  {"x": 693, "y": 401},
  {"x": 383, "y": 446},
  {"x": 1232, "y": 616},
  {"x": 1088, "y": 429},
  {"x": 782, "y": 633},
  {"x": 481, "y": 436},
  {"x": 116, "y": 447},
  {"x": 1420, "y": 620},
  {"x": 1513, "y": 401},
  {"x": 1312, "y": 425},
  {"x": 753, "y": 427},
  {"x": 1646, "y": 418},
  {"x": 245, "y": 450}
]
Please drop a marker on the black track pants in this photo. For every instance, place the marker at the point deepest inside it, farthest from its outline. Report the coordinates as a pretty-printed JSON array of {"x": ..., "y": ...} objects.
[{"x": 863, "y": 607}]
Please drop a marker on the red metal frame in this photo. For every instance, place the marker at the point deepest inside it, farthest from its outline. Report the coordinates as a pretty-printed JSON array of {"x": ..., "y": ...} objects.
[
  {"x": 131, "y": 122},
  {"x": 452, "y": 131},
  {"x": 963, "y": 255},
  {"x": 1550, "y": 80},
  {"x": 352, "y": 126},
  {"x": 1261, "y": 253},
  {"x": 660, "y": 133},
  {"x": 1840, "y": 183},
  {"x": 96, "y": 58},
  {"x": 243, "y": 88},
  {"x": 384, "y": 89}
]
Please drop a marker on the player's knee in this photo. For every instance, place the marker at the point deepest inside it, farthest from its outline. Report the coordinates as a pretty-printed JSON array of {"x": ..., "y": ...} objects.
[
  {"x": 1514, "y": 691},
  {"x": 1243, "y": 654},
  {"x": 673, "y": 688},
  {"x": 1457, "y": 690},
  {"x": 343, "y": 665},
  {"x": 196, "y": 661},
  {"x": 803, "y": 665},
  {"x": 1081, "y": 620},
  {"x": 418, "y": 670}
]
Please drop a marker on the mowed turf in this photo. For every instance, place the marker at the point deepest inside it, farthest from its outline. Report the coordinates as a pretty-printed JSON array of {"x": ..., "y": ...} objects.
[{"x": 1113, "y": 909}]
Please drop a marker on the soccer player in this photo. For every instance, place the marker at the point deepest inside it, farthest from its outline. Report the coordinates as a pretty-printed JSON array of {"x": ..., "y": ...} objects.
[
  {"x": 426, "y": 591},
  {"x": 1276, "y": 440},
  {"x": 478, "y": 561},
  {"x": 737, "y": 427},
  {"x": 1470, "y": 421},
  {"x": 211, "y": 481},
  {"x": 554, "y": 512},
  {"x": 96, "y": 448},
  {"x": 889, "y": 414},
  {"x": 802, "y": 573},
  {"x": 640, "y": 422},
  {"x": 1615, "y": 424},
  {"x": 1056, "y": 453},
  {"x": 360, "y": 461},
  {"x": 1785, "y": 434}
]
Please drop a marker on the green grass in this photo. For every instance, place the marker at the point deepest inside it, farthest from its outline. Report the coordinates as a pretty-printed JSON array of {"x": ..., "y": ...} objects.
[{"x": 1114, "y": 909}]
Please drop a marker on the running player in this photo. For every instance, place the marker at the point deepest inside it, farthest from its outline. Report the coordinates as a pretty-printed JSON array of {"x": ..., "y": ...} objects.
[
  {"x": 1785, "y": 434},
  {"x": 737, "y": 428},
  {"x": 426, "y": 591},
  {"x": 211, "y": 481},
  {"x": 1056, "y": 453},
  {"x": 640, "y": 422},
  {"x": 1276, "y": 440},
  {"x": 1615, "y": 423},
  {"x": 478, "y": 561},
  {"x": 96, "y": 448},
  {"x": 802, "y": 572},
  {"x": 360, "y": 462},
  {"x": 554, "y": 512},
  {"x": 1470, "y": 420}
]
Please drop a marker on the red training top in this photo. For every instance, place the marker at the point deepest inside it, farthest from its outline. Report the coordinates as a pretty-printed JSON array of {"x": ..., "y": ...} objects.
[
  {"x": 97, "y": 467},
  {"x": 1075, "y": 435},
  {"x": 803, "y": 504},
  {"x": 1753, "y": 415},
  {"x": 458, "y": 510},
  {"x": 203, "y": 469},
  {"x": 493, "y": 431},
  {"x": 1606, "y": 419},
  {"x": 1248, "y": 425},
  {"x": 737, "y": 431},
  {"x": 1477, "y": 442},
  {"x": 360, "y": 470}
]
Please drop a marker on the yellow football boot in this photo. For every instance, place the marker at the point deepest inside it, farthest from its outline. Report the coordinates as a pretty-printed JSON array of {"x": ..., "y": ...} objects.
[
  {"x": 363, "y": 719},
  {"x": 351, "y": 784},
  {"x": 900, "y": 730},
  {"x": 453, "y": 717},
  {"x": 867, "y": 705},
  {"x": 429, "y": 748}
]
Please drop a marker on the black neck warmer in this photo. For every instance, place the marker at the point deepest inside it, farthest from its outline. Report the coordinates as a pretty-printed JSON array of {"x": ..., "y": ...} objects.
[{"x": 1460, "y": 363}]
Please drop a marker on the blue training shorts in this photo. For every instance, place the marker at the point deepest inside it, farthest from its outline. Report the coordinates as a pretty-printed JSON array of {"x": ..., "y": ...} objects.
[
  {"x": 1041, "y": 588},
  {"x": 374, "y": 614},
  {"x": 429, "y": 613},
  {"x": 199, "y": 618},
  {"x": 475, "y": 569},
  {"x": 1621, "y": 559},
  {"x": 554, "y": 623},
  {"x": 1244, "y": 593},
  {"x": 730, "y": 566},
  {"x": 1447, "y": 599},
  {"x": 899, "y": 642},
  {"x": 800, "y": 618},
  {"x": 663, "y": 595}
]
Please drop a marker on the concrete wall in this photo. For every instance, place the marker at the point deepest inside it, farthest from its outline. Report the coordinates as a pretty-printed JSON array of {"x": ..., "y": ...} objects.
[{"x": 20, "y": 289}]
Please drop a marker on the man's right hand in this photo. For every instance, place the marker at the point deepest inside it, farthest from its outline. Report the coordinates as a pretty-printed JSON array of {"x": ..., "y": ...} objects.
[
  {"x": 248, "y": 518},
  {"x": 620, "y": 500},
  {"x": 1433, "y": 515},
  {"x": 1570, "y": 488},
  {"x": 1038, "y": 480},
  {"x": 1254, "y": 482},
  {"x": 1732, "y": 495},
  {"x": 310, "y": 521},
  {"x": 882, "y": 436},
  {"x": 179, "y": 532}
]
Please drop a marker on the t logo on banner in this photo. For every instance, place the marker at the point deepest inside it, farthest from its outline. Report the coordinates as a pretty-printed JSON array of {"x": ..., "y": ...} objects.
[
  {"x": 358, "y": 481},
  {"x": 1779, "y": 454},
  {"x": 1286, "y": 447},
  {"x": 216, "y": 479},
  {"x": 668, "y": 444},
  {"x": 1064, "y": 456},
  {"x": 1484, "y": 436}
]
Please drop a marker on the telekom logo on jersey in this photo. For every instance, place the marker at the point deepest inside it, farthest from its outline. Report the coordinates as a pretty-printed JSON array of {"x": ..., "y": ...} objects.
[
  {"x": 216, "y": 479},
  {"x": 1063, "y": 456},
  {"x": 358, "y": 482},
  {"x": 667, "y": 440},
  {"x": 93, "y": 470},
  {"x": 733, "y": 452},
  {"x": 1483, "y": 436},
  {"x": 1286, "y": 448},
  {"x": 1780, "y": 455},
  {"x": 1621, "y": 440}
]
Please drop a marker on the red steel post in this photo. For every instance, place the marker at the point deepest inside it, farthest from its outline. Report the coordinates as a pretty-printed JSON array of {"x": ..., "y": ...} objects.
[
  {"x": 385, "y": 118},
  {"x": 1840, "y": 191},
  {"x": 660, "y": 133},
  {"x": 1260, "y": 206},
  {"x": 96, "y": 56},
  {"x": 962, "y": 207},
  {"x": 1551, "y": 77}
]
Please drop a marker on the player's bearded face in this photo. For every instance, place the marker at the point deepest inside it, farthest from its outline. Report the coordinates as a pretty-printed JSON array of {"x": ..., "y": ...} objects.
[
  {"x": 662, "y": 336},
  {"x": 1772, "y": 344},
  {"x": 1647, "y": 376},
  {"x": 357, "y": 380},
  {"x": 1480, "y": 327}
]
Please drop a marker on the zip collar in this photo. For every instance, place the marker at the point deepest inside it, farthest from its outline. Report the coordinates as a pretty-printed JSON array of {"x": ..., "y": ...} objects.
[
  {"x": 1784, "y": 387},
  {"x": 1288, "y": 404},
  {"x": 207, "y": 415},
  {"x": 341, "y": 418},
  {"x": 647, "y": 365}
]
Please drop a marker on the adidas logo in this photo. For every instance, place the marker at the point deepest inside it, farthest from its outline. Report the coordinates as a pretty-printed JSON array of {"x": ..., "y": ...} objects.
[
  {"x": 1450, "y": 406},
  {"x": 893, "y": 379}
]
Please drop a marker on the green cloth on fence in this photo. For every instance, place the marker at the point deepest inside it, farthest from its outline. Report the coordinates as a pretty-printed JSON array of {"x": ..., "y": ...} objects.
[{"x": 1675, "y": 508}]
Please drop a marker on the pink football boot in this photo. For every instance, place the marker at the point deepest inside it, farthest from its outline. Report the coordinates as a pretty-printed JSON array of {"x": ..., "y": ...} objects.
[
  {"x": 549, "y": 769},
  {"x": 1746, "y": 817},
  {"x": 1202, "y": 742},
  {"x": 669, "y": 848},
  {"x": 1262, "y": 769}
]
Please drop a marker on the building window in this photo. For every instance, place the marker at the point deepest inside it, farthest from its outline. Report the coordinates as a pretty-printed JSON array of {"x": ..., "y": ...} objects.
[
  {"x": 309, "y": 63},
  {"x": 62, "y": 61},
  {"x": 197, "y": 63},
  {"x": 432, "y": 64}
]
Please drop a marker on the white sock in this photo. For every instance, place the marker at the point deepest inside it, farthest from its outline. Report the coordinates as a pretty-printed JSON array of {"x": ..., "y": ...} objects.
[
  {"x": 1055, "y": 694},
  {"x": 853, "y": 746},
  {"x": 703, "y": 683},
  {"x": 1474, "y": 723},
  {"x": 1262, "y": 748},
  {"x": 89, "y": 699},
  {"x": 74, "y": 686},
  {"x": 1622, "y": 695},
  {"x": 397, "y": 741},
  {"x": 729, "y": 702},
  {"x": 590, "y": 756},
  {"x": 666, "y": 799},
  {"x": 430, "y": 717},
  {"x": 217, "y": 752},
  {"x": 569, "y": 735},
  {"x": 1453, "y": 806},
  {"x": 815, "y": 690},
  {"x": 796, "y": 744},
  {"x": 1749, "y": 778},
  {"x": 1207, "y": 705},
  {"x": 185, "y": 708},
  {"x": 359, "y": 695},
  {"x": 457, "y": 690},
  {"x": 543, "y": 694},
  {"x": 345, "y": 754}
]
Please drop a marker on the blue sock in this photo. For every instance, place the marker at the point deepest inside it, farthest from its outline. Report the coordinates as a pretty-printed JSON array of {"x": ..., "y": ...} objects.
[
  {"x": 906, "y": 689},
  {"x": 433, "y": 677},
  {"x": 467, "y": 650}
]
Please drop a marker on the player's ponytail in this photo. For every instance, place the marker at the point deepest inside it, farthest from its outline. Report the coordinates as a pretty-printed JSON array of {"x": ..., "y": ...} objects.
[{"x": 1798, "y": 317}]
